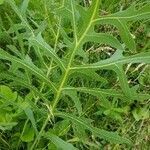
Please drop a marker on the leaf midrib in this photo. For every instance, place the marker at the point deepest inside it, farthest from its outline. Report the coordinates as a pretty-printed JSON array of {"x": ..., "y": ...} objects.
[
  {"x": 119, "y": 17},
  {"x": 56, "y": 100},
  {"x": 108, "y": 64},
  {"x": 101, "y": 91}
]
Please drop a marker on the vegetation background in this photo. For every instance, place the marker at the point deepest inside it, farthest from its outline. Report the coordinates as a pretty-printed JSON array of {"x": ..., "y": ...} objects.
[{"x": 74, "y": 74}]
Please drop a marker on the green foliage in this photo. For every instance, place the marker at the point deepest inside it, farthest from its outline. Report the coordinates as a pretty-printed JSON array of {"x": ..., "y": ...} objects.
[
  {"x": 1, "y": 2},
  {"x": 7, "y": 116},
  {"x": 57, "y": 97}
]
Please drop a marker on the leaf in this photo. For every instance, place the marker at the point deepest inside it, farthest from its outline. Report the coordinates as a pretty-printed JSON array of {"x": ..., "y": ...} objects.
[
  {"x": 118, "y": 60},
  {"x": 113, "y": 63},
  {"x": 141, "y": 113},
  {"x": 103, "y": 93},
  {"x": 7, "y": 125},
  {"x": 120, "y": 20},
  {"x": 26, "y": 63},
  {"x": 1, "y": 2},
  {"x": 21, "y": 81},
  {"x": 123, "y": 30},
  {"x": 133, "y": 14},
  {"x": 123, "y": 81},
  {"x": 59, "y": 143},
  {"x": 7, "y": 93},
  {"x": 47, "y": 49},
  {"x": 109, "y": 136},
  {"x": 61, "y": 128},
  {"x": 104, "y": 38},
  {"x": 89, "y": 75},
  {"x": 18, "y": 12},
  {"x": 73, "y": 95},
  {"x": 26, "y": 107},
  {"x": 24, "y": 6},
  {"x": 28, "y": 134},
  {"x": 79, "y": 133},
  {"x": 95, "y": 91}
]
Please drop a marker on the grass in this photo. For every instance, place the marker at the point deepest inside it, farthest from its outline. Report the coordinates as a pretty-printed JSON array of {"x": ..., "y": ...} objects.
[{"x": 74, "y": 75}]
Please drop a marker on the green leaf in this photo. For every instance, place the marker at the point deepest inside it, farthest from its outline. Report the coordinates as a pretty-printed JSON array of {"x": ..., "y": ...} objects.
[
  {"x": 61, "y": 128},
  {"x": 89, "y": 75},
  {"x": 21, "y": 81},
  {"x": 95, "y": 91},
  {"x": 7, "y": 93},
  {"x": 7, "y": 125},
  {"x": 73, "y": 95},
  {"x": 103, "y": 93},
  {"x": 28, "y": 134},
  {"x": 133, "y": 14},
  {"x": 116, "y": 59},
  {"x": 30, "y": 115},
  {"x": 59, "y": 143},
  {"x": 123, "y": 81},
  {"x": 109, "y": 136},
  {"x": 141, "y": 113},
  {"x": 20, "y": 15},
  {"x": 100, "y": 93},
  {"x": 48, "y": 51},
  {"x": 1, "y": 2},
  {"x": 24, "y": 6},
  {"x": 120, "y": 20},
  {"x": 104, "y": 38},
  {"x": 123, "y": 30},
  {"x": 26, "y": 63}
]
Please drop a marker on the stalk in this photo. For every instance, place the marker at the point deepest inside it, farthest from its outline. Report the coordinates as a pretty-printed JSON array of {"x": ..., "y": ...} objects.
[{"x": 67, "y": 71}]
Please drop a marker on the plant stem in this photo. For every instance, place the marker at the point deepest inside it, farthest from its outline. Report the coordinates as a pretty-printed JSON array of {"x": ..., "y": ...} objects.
[
  {"x": 66, "y": 73},
  {"x": 40, "y": 133}
]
